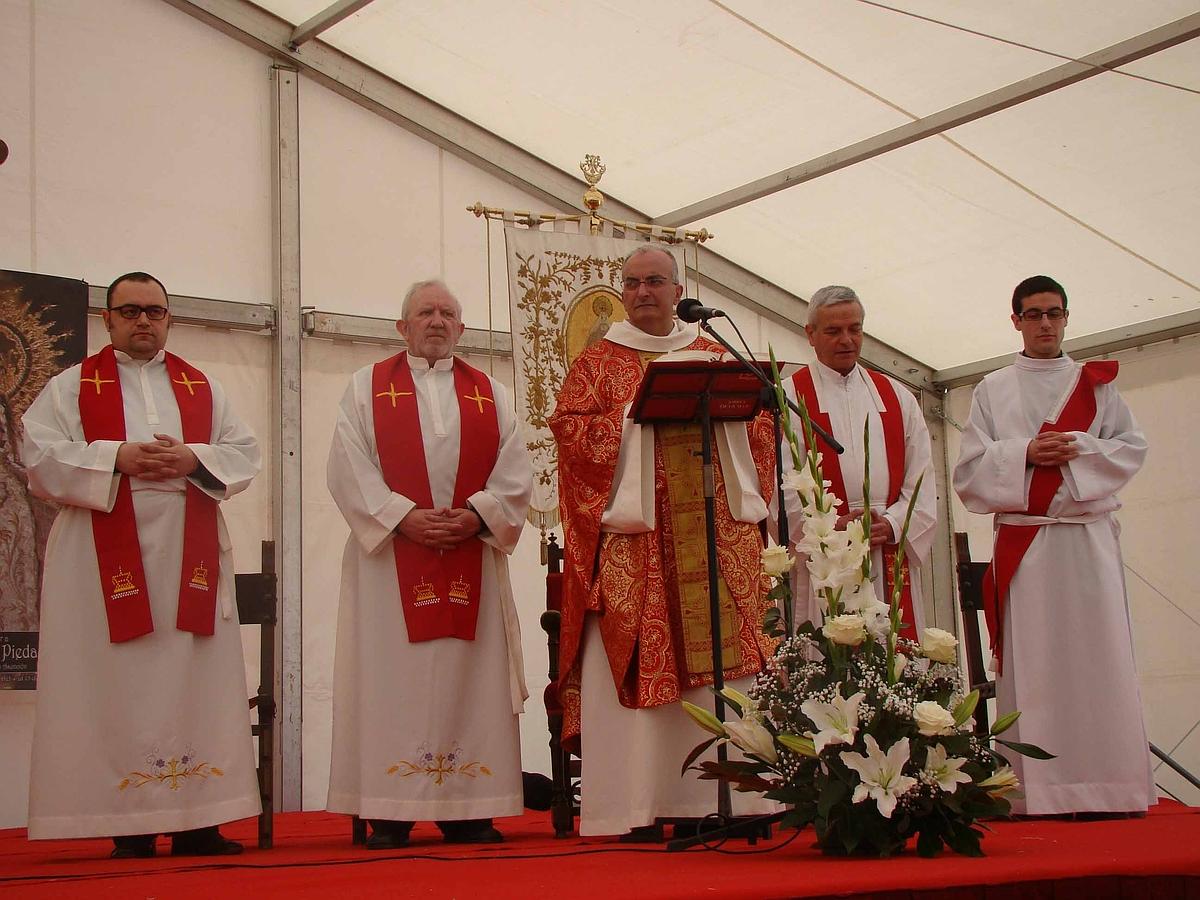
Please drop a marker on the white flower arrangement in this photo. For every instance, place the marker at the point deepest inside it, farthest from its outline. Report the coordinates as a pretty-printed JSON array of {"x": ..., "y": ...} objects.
[{"x": 863, "y": 734}]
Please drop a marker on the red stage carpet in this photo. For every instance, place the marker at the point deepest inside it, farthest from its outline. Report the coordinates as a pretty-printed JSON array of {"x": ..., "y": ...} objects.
[{"x": 1154, "y": 857}]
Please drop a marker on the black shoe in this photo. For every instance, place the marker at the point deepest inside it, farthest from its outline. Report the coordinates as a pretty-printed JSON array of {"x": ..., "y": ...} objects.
[
  {"x": 133, "y": 846},
  {"x": 470, "y": 831},
  {"x": 643, "y": 834},
  {"x": 387, "y": 834},
  {"x": 203, "y": 842}
]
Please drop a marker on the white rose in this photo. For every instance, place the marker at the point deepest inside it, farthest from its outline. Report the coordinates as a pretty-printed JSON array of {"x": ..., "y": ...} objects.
[
  {"x": 933, "y": 718},
  {"x": 848, "y": 630},
  {"x": 776, "y": 561},
  {"x": 940, "y": 646}
]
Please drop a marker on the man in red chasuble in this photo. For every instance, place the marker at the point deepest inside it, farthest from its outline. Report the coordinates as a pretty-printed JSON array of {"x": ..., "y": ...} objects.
[
  {"x": 635, "y": 628},
  {"x": 841, "y": 396},
  {"x": 1049, "y": 443},
  {"x": 429, "y": 469},
  {"x": 141, "y": 725}
]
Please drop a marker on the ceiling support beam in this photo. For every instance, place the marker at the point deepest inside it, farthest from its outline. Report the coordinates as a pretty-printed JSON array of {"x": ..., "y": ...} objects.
[
  {"x": 994, "y": 101},
  {"x": 1088, "y": 346},
  {"x": 361, "y": 84},
  {"x": 325, "y": 19}
]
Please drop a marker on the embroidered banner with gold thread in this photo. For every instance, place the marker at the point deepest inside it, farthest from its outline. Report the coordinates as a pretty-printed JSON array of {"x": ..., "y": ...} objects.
[
  {"x": 564, "y": 294},
  {"x": 43, "y": 330}
]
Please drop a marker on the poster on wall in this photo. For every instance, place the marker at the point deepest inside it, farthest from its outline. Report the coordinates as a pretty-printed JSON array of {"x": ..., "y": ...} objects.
[{"x": 43, "y": 330}]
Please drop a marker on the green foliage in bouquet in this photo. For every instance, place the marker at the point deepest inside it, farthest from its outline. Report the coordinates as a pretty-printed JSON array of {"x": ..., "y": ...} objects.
[{"x": 863, "y": 734}]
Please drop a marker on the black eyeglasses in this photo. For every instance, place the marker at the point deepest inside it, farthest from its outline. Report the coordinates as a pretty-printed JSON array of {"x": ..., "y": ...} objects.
[
  {"x": 131, "y": 311},
  {"x": 653, "y": 282},
  {"x": 1035, "y": 315}
]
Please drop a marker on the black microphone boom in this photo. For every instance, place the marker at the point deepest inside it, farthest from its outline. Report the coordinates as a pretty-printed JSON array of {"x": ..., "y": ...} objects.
[{"x": 690, "y": 310}]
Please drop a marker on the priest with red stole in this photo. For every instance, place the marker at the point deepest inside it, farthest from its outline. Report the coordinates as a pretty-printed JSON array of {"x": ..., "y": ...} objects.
[
  {"x": 430, "y": 471},
  {"x": 842, "y": 396},
  {"x": 635, "y": 634},
  {"x": 1048, "y": 445},
  {"x": 142, "y": 726}
]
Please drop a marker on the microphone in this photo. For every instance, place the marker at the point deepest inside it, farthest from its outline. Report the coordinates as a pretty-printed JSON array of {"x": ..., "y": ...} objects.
[{"x": 690, "y": 310}]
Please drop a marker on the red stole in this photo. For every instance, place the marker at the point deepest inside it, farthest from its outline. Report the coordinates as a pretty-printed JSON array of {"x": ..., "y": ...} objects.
[
  {"x": 118, "y": 550},
  {"x": 1012, "y": 541},
  {"x": 439, "y": 590},
  {"x": 892, "y": 420}
]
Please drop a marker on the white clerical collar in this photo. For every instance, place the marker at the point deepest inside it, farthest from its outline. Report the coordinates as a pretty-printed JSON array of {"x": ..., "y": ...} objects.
[
  {"x": 629, "y": 335},
  {"x": 1029, "y": 364},
  {"x": 123, "y": 357},
  {"x": 834, "y": 375},
  {"x": 420, "y": 364}
]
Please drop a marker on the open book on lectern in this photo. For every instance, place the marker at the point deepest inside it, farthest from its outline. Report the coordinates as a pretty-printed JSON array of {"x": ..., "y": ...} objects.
[{"x": 673, "y": 385}]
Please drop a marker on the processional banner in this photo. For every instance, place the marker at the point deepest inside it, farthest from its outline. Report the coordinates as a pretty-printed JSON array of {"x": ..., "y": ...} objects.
[
  {"x": 43, "y": 329},
  {"x": 564, "y": 294}
]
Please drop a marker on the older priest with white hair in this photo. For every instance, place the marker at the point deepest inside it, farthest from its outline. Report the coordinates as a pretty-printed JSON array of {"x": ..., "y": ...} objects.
[
  {"x": 841, "y": 395},
  {"x": 142, "y": 725},
  {"x": 429, "y": 469},
  {"x": 636, "y": 637}
]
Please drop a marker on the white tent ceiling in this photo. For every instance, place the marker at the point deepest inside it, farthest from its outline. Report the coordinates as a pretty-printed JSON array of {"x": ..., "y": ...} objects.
[{"x": 1097, "y": 183}]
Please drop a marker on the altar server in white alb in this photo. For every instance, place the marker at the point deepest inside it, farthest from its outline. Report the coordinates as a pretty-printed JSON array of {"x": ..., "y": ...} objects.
[
  {"x": 1048, "y": 445},
  {"x": 842, "y": 396},
  {"x": 429, "y": 469},
  {"x": 142, "y": 725}
]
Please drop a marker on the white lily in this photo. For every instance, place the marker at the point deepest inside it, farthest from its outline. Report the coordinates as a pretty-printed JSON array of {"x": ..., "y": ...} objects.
[
  {"x": 1003, "y": 781},
  {"x": 880, "y": 774},
  {"x": 946, "y": 771},
  {"x": 751, "y": 736},
  {"x": 837, "y": 721}
]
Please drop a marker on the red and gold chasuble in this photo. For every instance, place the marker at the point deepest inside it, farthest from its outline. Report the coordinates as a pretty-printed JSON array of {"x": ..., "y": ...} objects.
[
  {"x": 644, "y": 588},
  {"x": 1013, "y": 541},
  {"x": 118, "y": 551},
  {"x": 892, "y": 420},
  {"x": 439, "y": 590}
]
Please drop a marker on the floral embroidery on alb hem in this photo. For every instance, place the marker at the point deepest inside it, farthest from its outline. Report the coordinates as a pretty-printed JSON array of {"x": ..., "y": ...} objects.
[
  {"x": 172, "y": 772},
  {"x": 439, "y": 765}
]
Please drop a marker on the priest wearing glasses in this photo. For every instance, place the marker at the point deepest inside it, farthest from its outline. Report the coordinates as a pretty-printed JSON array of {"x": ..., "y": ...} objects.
[
  {"x": 636, "y": 637},
  {"x": 142, "y": 726},
  {"x": 1049, "y": 443}
]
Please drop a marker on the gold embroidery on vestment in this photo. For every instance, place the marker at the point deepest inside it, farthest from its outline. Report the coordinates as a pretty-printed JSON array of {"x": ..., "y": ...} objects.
[{"x": 681, "y": 456}]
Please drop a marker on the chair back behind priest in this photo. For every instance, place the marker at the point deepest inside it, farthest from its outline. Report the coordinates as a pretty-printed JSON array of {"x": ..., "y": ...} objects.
[
  {"x": 257, "y": 602},
  {"x": 970, "y": 601},
  {"x": 564, "y": 768}
]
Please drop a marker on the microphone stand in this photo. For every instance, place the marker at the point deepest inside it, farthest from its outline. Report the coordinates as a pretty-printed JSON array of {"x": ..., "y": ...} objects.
[
  {"x": 824, "y": 435},
  {"x": 759, "y": 826}
]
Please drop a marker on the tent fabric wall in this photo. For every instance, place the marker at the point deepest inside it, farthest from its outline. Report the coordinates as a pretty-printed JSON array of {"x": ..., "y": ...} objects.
[{"x": 160, "y": 159}]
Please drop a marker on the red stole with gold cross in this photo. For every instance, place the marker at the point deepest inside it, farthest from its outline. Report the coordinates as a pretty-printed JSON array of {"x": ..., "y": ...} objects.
[
  {"x": 118, "y": 550},
  {"x": 1012, "y": 541},
  {"x": 439, "y": 590},
  {"x": 892, "y": 420}
]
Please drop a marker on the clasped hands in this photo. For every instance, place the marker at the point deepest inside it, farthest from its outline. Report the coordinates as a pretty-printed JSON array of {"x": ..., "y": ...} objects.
[
  {"x": 440, "y": 529},
  {"x": 163, "y": 458},
  {"x": 881, "y": 528},
  {"x": 1051, "y": 448}
]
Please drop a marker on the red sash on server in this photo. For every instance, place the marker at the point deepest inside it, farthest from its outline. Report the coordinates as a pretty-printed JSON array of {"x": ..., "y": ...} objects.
[
  {"x": 1012, "y": 541},
  {"x": 118, "y": 550},
  {"x": 892, "y": 420},
  {"x": 439, "y": 590}
]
